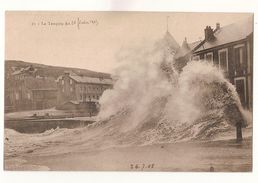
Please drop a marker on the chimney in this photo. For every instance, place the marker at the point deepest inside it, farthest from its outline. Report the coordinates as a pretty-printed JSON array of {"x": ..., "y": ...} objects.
[
  {"x": 185, "y": 44},
  {"x": 67, "y": 73},
  {"x": 217, "y": 26},
  {"x": 209, "y": 34}
]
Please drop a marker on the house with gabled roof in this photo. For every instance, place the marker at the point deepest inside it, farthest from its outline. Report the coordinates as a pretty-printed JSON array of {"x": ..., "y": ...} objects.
[{"x": 230, "y": 48}]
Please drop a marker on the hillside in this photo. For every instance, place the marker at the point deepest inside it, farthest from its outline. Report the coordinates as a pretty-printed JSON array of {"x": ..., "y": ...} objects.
[{"x": 50, "y": 71}]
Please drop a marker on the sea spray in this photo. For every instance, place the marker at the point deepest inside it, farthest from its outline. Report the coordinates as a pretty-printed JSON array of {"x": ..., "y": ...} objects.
[
  {"x": 140, "y": 81},
  {"x": 152, "y": 102}
]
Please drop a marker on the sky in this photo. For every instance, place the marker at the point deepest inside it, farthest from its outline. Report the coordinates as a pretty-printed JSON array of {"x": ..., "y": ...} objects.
[{"x": 91, "y": 40}]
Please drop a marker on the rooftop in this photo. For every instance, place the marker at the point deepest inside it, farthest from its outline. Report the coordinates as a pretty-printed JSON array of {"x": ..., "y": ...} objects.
[
  {"x": 170, "y": 41},
  {"x": 29, "y": 69},
  {"x": 229, "y": 33},
  {"x": 186, "y": 48},
  {"x": 87, "y": 79}
]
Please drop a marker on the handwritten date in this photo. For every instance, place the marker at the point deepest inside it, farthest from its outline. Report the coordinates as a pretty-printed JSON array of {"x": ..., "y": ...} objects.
[{"x": 142, "y": 166}]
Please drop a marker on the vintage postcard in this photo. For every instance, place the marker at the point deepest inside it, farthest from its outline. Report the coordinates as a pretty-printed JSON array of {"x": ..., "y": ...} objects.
[{"x": 128, "y": 91}]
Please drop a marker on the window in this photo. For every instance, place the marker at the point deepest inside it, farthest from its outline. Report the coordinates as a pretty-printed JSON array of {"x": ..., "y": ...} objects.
[
  {"x": 240, "y": 84},
  {"x": 223, "y": 59},
  {"x": 196, "y": 57},
  {"x": 62, "y": 82},
  {"x": 17, "y": 96},
  {"x": 28, "y": 95},
  {"x": 71, "y": 81},
  {"x": 239, "y": 55},
  {"x": 209, "y": 57}
]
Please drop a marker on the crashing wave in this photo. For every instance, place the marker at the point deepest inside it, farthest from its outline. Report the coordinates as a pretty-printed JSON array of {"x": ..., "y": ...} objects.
[
  {"x": 151, "y": 102},
  {"x": 148, "y": 105}
]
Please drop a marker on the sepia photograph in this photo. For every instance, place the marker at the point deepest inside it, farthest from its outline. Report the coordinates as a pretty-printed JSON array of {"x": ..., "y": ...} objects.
[{"x": 128, "y": 91}]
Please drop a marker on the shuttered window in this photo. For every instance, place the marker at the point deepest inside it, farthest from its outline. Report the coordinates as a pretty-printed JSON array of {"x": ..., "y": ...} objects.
[
  {"x": 223, "y": 59},
  {"x": 209, "y": 57},
  {"x": 239, "y": 53}
]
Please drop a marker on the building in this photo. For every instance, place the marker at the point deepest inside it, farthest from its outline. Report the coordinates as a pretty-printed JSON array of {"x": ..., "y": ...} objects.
[
  {"x": 25, "y": 90},
  {"x": 169, "y": 47},
  {"x": 231, "y": 49},
  {"x": 43, "y": 98},
  {"x": 81, "y": 88},
  {"x": 184, "y": 54}
]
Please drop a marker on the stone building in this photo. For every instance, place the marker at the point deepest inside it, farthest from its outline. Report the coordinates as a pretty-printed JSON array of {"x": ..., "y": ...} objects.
[
  {"x": 80, "y": 88},
  {"x": 231, "y": 49},
  {"x": 24, "y": 90}
]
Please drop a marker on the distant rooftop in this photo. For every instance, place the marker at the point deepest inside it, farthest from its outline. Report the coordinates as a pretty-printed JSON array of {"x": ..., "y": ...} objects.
[
  {"x": 170, "y": 41},
  {"x": 186, "y": 48},
  {"x": 29, "y": 69},
  {"x": 87, "y": 79}
]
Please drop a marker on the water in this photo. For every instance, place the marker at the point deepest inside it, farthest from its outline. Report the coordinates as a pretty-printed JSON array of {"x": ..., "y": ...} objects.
[
  {"x": 55, "y": 154},
  {"x": 151, "y": 104},
  {"x": 154, "y": 103},
  {"x": 40, "y": 126}
]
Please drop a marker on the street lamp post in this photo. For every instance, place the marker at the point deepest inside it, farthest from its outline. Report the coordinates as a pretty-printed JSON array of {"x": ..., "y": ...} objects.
[
  {"x": 90, "y": 107},
  {"x": 239, "y": 131}
]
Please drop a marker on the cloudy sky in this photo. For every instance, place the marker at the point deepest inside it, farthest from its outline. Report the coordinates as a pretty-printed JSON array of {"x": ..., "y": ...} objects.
[{"x": 55, "y": 38}]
